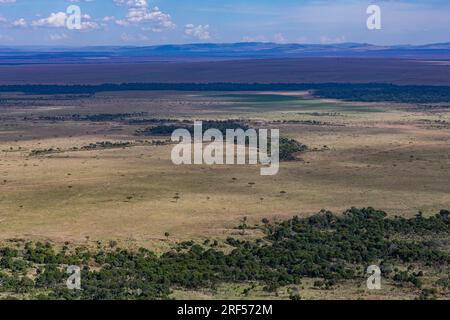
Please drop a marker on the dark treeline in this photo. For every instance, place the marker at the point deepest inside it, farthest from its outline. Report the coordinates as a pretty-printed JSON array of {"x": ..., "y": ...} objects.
[
  {"x": 354, "y": 92},
  {"x": 331, "y": 247},
  {"x": 168, "y": 129},
  {"x": 94, "y": 117},
  {"x": 288, "y": 148}
]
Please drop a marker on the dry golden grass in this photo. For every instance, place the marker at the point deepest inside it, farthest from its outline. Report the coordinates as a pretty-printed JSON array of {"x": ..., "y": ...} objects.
[
  {"x": 350, "y": 290},
  {"x": 377, "y": 155}
]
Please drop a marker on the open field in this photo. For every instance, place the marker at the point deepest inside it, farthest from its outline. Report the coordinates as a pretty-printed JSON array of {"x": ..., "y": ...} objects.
[{"x": 393, "y": 157}]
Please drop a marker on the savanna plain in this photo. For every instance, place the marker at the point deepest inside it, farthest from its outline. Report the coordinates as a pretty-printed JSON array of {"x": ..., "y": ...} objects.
[{"x": 77, "y": 171}]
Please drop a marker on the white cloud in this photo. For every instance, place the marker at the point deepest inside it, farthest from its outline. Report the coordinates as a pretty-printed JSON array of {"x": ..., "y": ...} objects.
[
  {"x": 108, "y": 18},
  {"x": 200, "y": 32},
  {"x": 58, "y": 20},
  {"x": 7, "y": 1},
  {"x": 19, "y": 23},
  {"x": 280, "y": 38},
  {"x": 139, "y": 13},
  {"x": 122, "y": 23},
  {"x": 87, "y": 23}
]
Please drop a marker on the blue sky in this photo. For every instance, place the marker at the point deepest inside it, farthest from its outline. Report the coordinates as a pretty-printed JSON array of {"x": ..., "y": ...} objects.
[{"x": 148, "y": 22}]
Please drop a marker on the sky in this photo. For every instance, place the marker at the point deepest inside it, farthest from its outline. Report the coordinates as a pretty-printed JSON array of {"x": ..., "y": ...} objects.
[{"x": 154, "y": 22}]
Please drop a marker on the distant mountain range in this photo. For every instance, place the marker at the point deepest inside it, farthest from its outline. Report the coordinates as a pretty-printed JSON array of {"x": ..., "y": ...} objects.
[{"x": 214, "y": 51}]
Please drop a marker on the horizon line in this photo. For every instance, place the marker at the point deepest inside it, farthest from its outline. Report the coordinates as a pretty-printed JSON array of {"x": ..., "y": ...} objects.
[{"x": 223, "y": 43}]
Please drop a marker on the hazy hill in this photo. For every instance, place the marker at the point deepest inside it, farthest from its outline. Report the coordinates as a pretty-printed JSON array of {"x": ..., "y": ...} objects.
[{"x": 214, "y": 51}]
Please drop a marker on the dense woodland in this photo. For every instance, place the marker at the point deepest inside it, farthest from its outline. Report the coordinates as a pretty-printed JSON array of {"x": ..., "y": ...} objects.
[
  {"x": 333, "y": 248},
  {"x": 288, "y": 148},
  {"x": 168, "y": 129},
  {"x": 369, "y": 92}
]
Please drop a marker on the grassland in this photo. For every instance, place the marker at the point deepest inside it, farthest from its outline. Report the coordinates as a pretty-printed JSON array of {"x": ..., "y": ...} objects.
[
  {"x": 55, "y": 186},
  {"x": 389, "y": 156}
]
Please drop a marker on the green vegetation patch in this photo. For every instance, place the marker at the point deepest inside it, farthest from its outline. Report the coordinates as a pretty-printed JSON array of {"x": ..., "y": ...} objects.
[
  {"x": 331, "y": 247},
  {"x": 168, "y": 129},
  {"x": 289, "y": 148},
  {"x": 347, "y": 91}
]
